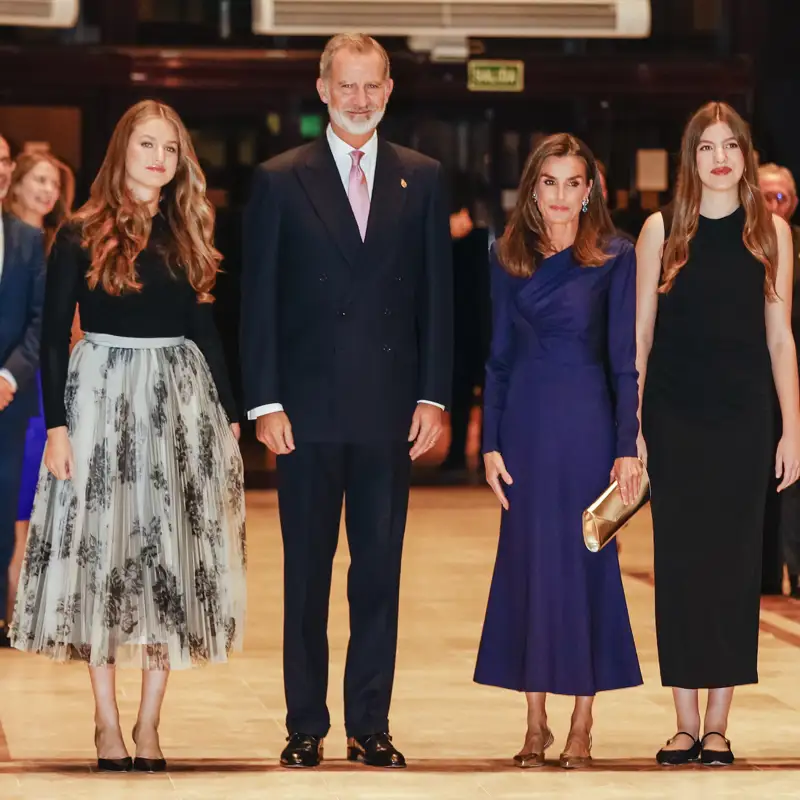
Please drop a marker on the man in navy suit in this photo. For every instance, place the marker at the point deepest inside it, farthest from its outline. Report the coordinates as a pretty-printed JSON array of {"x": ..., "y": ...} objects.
[
  {"x": 347, "y": 338},
  {"x": 22, "y": 274}
]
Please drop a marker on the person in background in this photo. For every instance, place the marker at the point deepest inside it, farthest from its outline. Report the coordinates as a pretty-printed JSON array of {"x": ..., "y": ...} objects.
[
  {"x": 714, "y": 333},
  {"x": 22, "y": 279},
  {"x": 471, "y": 315},
  {"x": 560, "y": 415},
  {"x": 136, "y": 553},
  {"x": 41, "y": 194},
  {"x": 782, "y": 523},
  {"x": 602, "y": 178}
]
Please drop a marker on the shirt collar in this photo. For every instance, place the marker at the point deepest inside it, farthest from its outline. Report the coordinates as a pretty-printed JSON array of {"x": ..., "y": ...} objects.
[{"x": 341, "y": 149}]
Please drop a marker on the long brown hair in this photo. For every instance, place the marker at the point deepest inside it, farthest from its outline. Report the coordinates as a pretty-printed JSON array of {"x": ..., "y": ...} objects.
[
  {"x": 759, "y": 230},
  {"x": 525, "y": 241},
  {"x": 55, "y": 219},
  {"x": 115, "y": 228}
]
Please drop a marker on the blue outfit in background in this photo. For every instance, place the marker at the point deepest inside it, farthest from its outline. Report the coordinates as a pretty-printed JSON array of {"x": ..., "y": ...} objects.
[
  {"x": 35, "y": 440},
  {"x": 21, "y": 299}
]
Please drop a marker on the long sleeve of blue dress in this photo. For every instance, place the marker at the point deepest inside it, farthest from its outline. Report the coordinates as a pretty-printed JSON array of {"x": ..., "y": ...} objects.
[
  {"x": 622, "y": 349},
  {"x": 501, "y": 353}
]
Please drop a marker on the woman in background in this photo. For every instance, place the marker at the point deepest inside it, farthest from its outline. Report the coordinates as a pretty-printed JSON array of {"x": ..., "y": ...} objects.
[
  {"x": 136, "y": 549},
  {"x": 714, "y": 331},
  {"x": 559, "y": 416},
  {"x": 41, "y": 194}
]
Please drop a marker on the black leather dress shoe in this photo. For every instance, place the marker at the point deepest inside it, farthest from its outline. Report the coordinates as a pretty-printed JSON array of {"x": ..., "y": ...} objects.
[
  {"x": 302, "y": 751},
  {"x": 375, "y": 750}
]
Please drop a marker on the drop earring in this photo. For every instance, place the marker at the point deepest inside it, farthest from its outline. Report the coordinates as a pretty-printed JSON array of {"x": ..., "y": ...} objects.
[
  {"x": 535, "y": 198},
  {"x": 585, "y": 206}
]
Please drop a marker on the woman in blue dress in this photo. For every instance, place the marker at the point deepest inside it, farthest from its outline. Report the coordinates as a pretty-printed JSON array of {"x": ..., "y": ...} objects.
[
  {"x": 560, "y": 415},
  {"x": 41, "y": 194}
]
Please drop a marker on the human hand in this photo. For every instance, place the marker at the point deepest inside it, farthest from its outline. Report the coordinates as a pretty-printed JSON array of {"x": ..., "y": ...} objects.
[
  {"x": 237, "y": 430},
  {"x": 426, "y": 428},
  {"x": 7, "y": 392},
  {"x": 58, "y": 456},
  {"x": 495, "y": 470},
  {"x": 628, "y": 474},
  {"x": 641, "y": 448},
  {"x": 787, "y": 460},
  {"x": 275, "y": 431}
]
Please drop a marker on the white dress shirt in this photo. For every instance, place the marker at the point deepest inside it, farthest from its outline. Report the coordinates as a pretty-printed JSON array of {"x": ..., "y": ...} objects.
[
  {"x": 4, "y": 373},
  {"x": 341, "y": 157}
]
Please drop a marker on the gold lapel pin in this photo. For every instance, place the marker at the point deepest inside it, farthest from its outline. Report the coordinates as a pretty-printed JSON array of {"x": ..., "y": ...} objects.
[{"x": 403, "y": 182}]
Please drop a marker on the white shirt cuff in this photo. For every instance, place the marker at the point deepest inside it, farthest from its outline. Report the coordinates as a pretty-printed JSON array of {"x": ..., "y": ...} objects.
[
  {"x": 4, "y": 373},
  {"x": 271, "y": 408},
  {"x": 260, "y": 411},
  {"x": 431, "y": 403}
]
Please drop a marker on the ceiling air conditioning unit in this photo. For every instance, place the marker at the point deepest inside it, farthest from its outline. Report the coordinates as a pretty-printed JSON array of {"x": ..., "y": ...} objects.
[
  {"x": 39, "y": 13},
  {"x": 455, "y": 18}
]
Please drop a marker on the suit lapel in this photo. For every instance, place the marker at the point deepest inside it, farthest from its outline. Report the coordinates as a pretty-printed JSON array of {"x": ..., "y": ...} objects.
[
  {"x": 322, "y": 183},
  {"x": 388, "y": 198}
]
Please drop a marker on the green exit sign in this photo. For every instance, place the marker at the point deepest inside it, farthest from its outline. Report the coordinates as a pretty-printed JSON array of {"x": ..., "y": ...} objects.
[{"x": 495, "y": 76}]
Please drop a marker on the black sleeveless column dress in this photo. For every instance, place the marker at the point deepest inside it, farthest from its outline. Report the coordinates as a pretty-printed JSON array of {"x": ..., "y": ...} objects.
[{"x": 707, "y": 422}]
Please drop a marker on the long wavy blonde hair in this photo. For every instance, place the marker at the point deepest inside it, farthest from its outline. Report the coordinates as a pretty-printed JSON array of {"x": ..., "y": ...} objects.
[
  {"x": 759, "y": 230},
  {"x": 56, "y": 218},
  {"x": 116, "y": 228}
]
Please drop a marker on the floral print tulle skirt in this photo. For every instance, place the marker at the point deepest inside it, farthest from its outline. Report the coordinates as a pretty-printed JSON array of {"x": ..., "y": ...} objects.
[{"x": 138, "y": 559}]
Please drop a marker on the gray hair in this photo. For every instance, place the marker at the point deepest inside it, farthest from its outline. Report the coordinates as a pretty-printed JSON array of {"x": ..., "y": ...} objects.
[
  {"x": 776, "y": 171},
  {"x": 356, "y": 42}
]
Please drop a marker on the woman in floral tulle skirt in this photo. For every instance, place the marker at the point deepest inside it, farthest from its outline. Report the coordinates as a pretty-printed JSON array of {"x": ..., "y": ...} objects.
[{"x": 136, "y": 550}]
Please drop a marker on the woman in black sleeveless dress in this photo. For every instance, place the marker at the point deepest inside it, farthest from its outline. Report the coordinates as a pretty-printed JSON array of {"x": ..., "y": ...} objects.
[{"x": 715, "y": 291}]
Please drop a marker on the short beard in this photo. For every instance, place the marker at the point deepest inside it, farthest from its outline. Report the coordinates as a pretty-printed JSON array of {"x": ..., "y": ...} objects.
[{"x": 356, "y": 128}]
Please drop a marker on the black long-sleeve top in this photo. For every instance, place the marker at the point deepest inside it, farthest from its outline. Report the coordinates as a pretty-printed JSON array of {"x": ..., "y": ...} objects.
[{"x": 166, "y": 306}]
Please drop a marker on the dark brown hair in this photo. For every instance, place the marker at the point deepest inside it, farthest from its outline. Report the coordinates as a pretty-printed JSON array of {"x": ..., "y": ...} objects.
[
  {"x": 759, "y": 230},
  {"x": 115, "y": 228},
  {"x": 525, "y": 241}
]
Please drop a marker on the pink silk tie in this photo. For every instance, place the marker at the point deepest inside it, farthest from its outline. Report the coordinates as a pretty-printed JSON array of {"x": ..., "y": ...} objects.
[{"x": 358, "y": 193}]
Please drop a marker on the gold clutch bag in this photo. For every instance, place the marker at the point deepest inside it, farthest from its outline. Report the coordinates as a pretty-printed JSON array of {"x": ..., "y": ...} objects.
[{"x": 608, "y": 515}]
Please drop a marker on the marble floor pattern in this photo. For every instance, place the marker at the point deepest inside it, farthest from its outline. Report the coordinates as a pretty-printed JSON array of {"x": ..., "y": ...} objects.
[{"x": 222, "y": 727}]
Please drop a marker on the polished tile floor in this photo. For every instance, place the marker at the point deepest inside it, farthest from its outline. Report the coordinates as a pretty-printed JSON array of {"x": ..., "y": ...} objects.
[{"x": 223, "y": 727}]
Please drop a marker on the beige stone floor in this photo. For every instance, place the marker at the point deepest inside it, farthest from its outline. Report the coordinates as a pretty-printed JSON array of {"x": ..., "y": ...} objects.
[{"x": 223, "y": 727}]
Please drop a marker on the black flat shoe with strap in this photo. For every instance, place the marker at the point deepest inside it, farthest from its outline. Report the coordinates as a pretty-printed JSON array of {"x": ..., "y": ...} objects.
[
  {"x": 675, "y": 758},
  {"x": 716, "y": 758}
]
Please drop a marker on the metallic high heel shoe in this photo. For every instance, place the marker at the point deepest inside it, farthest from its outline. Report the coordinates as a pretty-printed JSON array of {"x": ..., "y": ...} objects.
[
  {"x": 568, "y": 761},
  {"x": 533, "y": 758}
]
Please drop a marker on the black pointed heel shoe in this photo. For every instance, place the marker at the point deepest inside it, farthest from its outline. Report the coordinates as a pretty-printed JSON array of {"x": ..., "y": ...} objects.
[
  {"x": 716, "y": 758},
  {"x": 124, "y": 764},
  {"x": 115, "y": 764},
  {"x": 148, "y": 764},
  {"x": 675, "y": 758}
]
